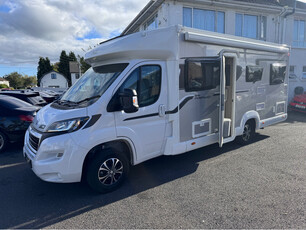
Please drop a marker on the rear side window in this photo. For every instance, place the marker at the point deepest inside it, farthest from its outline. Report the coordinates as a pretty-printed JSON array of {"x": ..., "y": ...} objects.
[
  {"x": 277, "y": 73},
  {"x": 146, "y": 80},
  {"x": 202, "y": 75},
  {"x": 253, "y": 73}
]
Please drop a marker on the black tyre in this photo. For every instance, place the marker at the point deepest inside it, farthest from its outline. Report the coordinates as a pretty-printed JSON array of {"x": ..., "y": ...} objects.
[
  {"x": 3, "y": 142},
  {"x": 248, "y": 133},
  {"x": 107, "y": 171}
]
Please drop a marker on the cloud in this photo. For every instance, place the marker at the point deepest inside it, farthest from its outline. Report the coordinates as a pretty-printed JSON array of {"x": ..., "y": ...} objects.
[{"x": 30, "y": 29}]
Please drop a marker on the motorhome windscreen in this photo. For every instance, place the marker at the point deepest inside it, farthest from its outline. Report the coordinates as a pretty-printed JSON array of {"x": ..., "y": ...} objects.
[
  {"x": 202, "y": 75},
  {"x": 93, "y": 84}
]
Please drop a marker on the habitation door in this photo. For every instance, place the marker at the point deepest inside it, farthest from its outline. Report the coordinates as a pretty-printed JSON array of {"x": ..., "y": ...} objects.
[
  {"x": 200, "y": 117},
  {"x": 146, "y": 127}
]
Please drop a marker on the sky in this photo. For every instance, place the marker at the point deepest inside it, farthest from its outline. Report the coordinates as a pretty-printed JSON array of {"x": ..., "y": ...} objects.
[{"x": 30, "y": 29}]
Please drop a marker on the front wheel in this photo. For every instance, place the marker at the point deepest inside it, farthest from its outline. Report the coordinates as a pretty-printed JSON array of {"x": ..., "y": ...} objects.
[
  {"x": 107, "y": 171},
  {"x": 248, "y": 133}
]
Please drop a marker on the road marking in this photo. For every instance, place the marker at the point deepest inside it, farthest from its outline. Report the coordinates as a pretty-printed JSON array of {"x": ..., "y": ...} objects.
[{"x": 11, "y": 165}]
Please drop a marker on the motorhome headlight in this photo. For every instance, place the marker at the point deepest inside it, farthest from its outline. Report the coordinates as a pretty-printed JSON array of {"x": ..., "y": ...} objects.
[{"x": 70, "y": 125}]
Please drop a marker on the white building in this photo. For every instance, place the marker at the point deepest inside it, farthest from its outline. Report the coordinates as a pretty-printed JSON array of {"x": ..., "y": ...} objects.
[
  {"x": 269, "y": 20},
  {"x": 5, "y": 82},
  {"x": 53, "y": 79},
  {"x": 74, "y": 71}
]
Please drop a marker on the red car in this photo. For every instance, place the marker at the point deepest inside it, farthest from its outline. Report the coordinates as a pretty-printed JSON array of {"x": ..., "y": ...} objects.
[{"x": 299, "y": 103}]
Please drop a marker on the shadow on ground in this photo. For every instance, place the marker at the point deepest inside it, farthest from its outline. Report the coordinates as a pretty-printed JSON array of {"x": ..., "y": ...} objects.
[
  {"x": 294, "y": 116},
  {"x": 32, "y": 203}
]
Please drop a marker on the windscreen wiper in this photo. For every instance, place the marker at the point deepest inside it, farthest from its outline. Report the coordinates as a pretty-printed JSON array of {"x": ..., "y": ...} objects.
[
  {"x": 87, "y": 99},
  {"x": 66, "y": 102}
]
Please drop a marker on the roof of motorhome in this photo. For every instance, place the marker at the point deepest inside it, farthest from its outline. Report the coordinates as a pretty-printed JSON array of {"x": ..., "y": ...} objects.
[{"x": 163, "y": 44}]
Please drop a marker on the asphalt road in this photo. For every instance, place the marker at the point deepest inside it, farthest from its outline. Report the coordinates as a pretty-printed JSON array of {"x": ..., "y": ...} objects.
[{"x": 262, "y": 185}]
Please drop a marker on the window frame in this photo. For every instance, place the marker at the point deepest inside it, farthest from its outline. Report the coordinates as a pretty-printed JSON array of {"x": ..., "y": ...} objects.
[
  {"x": 271, "y": 72},
  {"x": 186, "y": 73},
  {"x": 216, "y": 12},
  {"x": 153, "y": 19},
  {"x": 247, "y": 72},
  {"x": 53, "y": 76},
  {"x": 296, "y": 43},
  {"x": 114, "y": 104},
  {"x": 304, "y": 72},
  {"x": 261, "y": 26}
]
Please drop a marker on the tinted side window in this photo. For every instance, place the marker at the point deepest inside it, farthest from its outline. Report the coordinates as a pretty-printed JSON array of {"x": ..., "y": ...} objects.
[
  {"x": 277, "y": 73},
  {"x": 150, "y": 83},
  {"x": 146, "y": 80},
  {"x": 202, "y": 75},
  {"x": 253, "y": 73}
]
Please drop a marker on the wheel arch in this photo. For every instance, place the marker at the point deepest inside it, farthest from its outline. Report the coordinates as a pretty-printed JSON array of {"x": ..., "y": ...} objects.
[
  {"x": 252, "y": 116},
  {"x": 123, "y": 146}
]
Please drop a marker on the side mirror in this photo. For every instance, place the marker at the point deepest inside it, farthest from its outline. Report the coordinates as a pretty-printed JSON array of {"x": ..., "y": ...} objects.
[{"x": 128, "y": 101}]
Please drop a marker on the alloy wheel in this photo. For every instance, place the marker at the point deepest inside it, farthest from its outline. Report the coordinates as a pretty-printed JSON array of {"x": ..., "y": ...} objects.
[
  {"x": 110, "y": 171},
  {"x": 246, "y": 132}
]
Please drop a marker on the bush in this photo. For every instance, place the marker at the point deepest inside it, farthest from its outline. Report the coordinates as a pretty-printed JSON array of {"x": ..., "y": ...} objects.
[{"x": 3, "y": 86}]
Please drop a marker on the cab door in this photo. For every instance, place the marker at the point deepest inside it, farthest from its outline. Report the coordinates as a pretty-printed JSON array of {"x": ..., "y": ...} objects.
[{"x": 146, "y": 127}]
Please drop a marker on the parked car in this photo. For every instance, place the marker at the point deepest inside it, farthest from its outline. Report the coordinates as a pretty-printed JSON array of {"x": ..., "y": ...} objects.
[
  {"x": 15, "y": 117},
  {"x": 298, "y": 103},
  {"x": 47, "y": 97},
  {"x": 28, "y": 96}
]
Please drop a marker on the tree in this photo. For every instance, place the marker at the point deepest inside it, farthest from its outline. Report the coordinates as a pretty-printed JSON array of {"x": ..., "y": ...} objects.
[
  {"x": 44, "y": 66},
  {"x": 55, "y": 66},
  {"x": 29, "y": 81},
  {"x": 84, "y": 65},
  {"x": 72, "y": 56},
  {"x": 2, "y": 86},
  {"x": 63, "y": 66},
  {"x": 18, "y": 81},
  {"x": 15, "y": 80}
]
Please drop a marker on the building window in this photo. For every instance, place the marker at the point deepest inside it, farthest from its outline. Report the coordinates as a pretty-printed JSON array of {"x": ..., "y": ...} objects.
[
  {"x": 151, "y": 24},
  {"x": 299, "y": 34},
  {"x": 304, "y": 73},
  {"x": 291, "y": 69},
  {"x": 203, "y": 19},
  {"x": 53, "y": 76},
  {"x": 77, "y": 76},
  {"x": 251, "y": 26}
]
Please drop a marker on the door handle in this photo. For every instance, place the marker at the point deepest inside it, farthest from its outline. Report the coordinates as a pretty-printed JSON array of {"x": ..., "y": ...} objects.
[{"x": 162, "y": 110}]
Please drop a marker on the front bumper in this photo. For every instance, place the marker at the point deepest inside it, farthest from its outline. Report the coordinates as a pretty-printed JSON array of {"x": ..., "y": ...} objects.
[{"x": 58, "y": 158}]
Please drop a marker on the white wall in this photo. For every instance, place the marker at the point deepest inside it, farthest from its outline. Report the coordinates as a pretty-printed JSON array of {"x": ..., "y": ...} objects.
[
  {"x": 5, "y": 82},
  {"x": 59, "y": 82},
  {"x": 73, "y": 78}
]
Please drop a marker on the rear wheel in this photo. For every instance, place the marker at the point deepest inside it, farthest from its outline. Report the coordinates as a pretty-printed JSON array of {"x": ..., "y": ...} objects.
[
  {"x": 248, "y": 133},
  {"x": 107, "y": 171},
  {"x": 3, "y": 142}
]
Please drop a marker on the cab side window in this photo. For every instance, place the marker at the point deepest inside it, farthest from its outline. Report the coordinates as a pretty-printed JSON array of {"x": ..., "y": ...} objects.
[{"x": 146, "y": 80}]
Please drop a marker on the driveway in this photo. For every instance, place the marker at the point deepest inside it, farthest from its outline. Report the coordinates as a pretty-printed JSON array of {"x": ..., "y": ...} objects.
[{"x": 261, "y": 185}]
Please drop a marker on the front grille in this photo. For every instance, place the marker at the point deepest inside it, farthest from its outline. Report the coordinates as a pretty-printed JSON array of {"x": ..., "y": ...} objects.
[{"x": 34, "y": 142}]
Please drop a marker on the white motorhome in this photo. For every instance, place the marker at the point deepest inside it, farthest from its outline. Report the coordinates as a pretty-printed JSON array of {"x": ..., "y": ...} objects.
[{"x": 159, "y": 92}]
